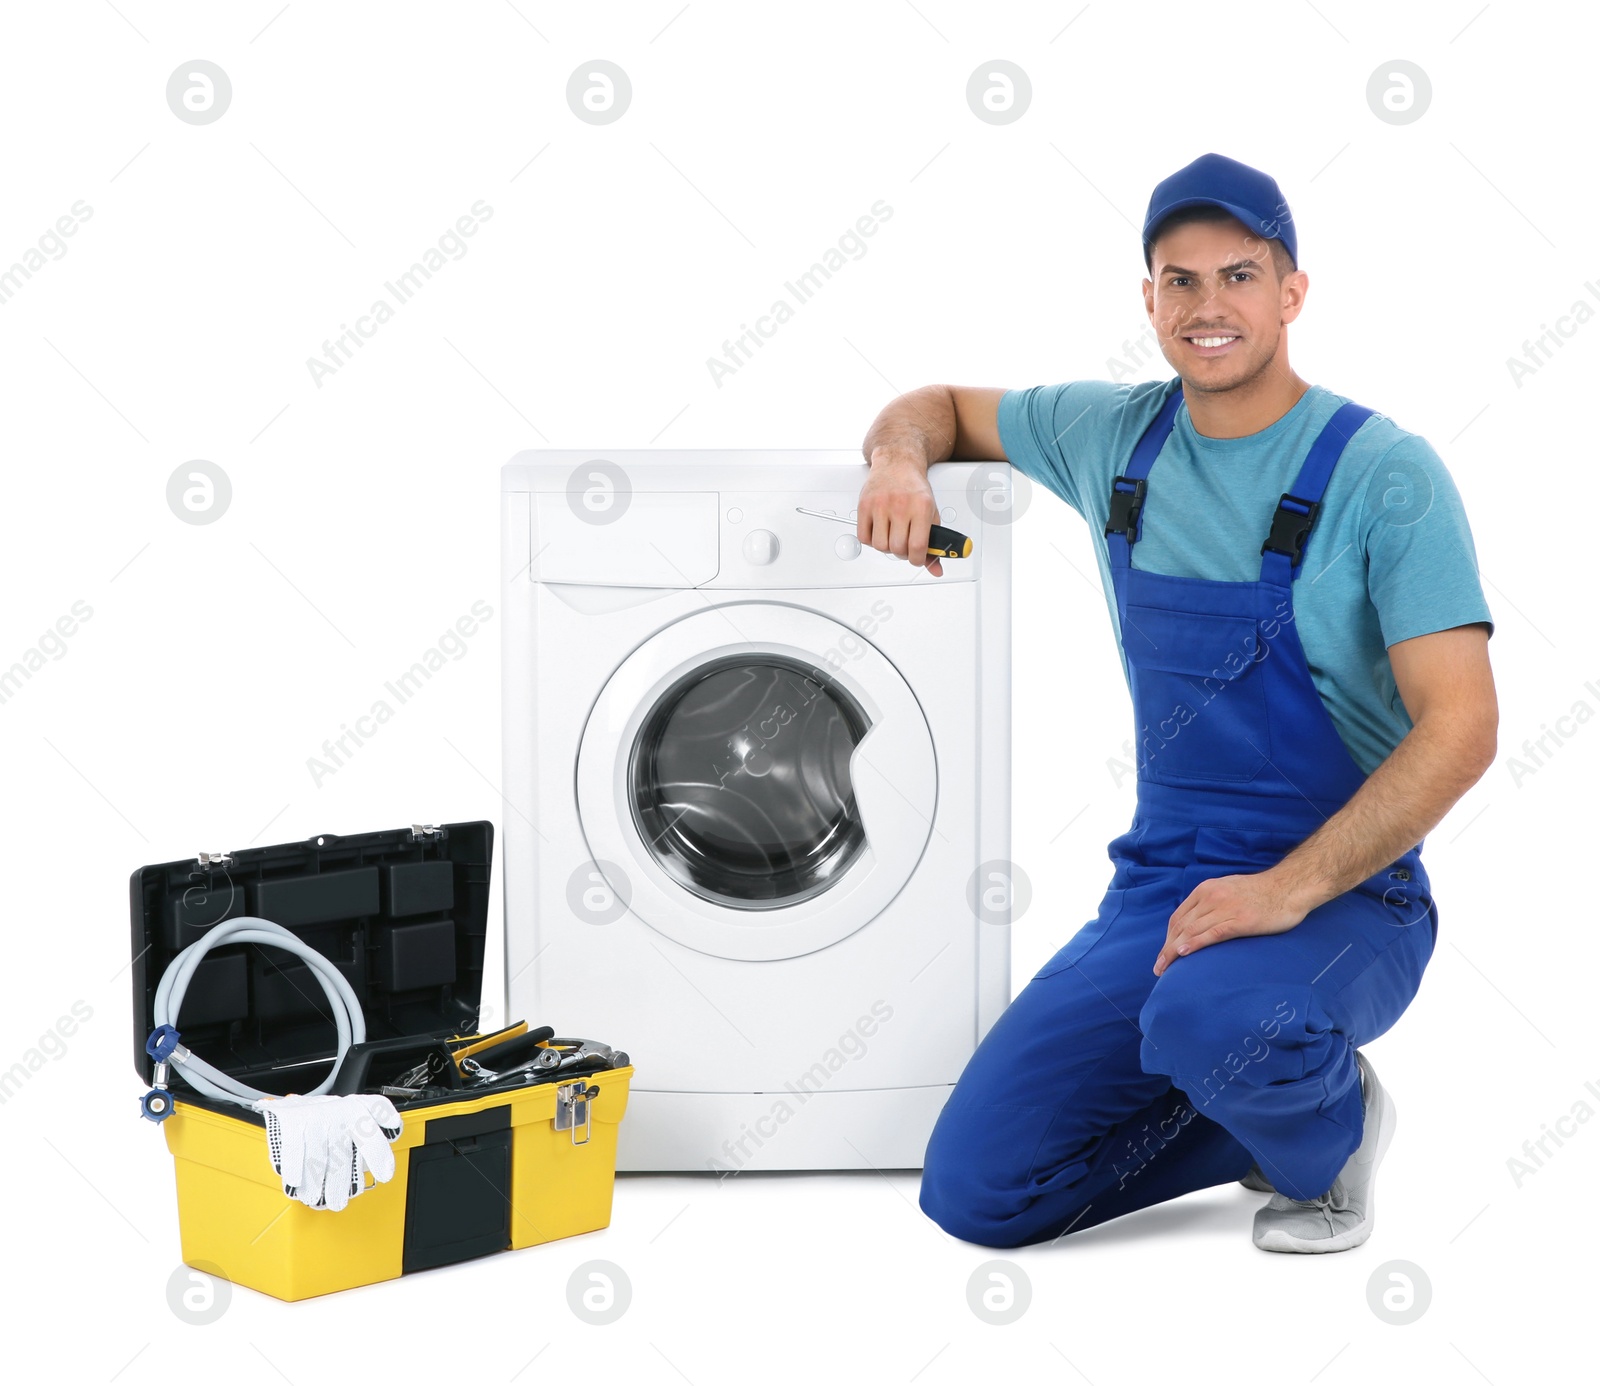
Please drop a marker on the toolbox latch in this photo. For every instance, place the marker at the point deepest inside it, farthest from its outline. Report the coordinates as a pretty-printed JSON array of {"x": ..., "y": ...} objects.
[
  {"x": 419, "y": 831},
  {"x": 573, "y": 1109},
  {"x": 214, "y": 859}
]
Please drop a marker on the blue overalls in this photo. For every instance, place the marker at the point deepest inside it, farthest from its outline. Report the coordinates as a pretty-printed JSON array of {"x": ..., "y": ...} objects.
[{"x": 1103, "y": 1089}]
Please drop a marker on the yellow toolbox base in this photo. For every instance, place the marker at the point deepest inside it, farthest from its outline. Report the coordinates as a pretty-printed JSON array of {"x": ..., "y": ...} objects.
[{"x": 236, "y": 1221}]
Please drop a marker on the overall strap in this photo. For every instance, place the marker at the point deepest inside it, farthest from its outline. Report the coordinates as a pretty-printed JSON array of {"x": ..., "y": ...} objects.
[
  {"x": 1127, "y": 491},
  {"x": 1297, "y": 509}
]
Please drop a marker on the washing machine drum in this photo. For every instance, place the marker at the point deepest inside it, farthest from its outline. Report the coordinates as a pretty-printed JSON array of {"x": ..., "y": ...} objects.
[{"x": 740, "y": 781}]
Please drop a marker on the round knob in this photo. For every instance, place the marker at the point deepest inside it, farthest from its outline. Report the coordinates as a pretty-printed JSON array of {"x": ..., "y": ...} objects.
[
  {"x": 847, "y": 546},
  {"x": 760, "y": 546}
]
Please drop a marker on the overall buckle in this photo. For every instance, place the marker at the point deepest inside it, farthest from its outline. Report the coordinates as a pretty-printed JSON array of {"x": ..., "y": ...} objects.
[
  {"x": 1291, "y": 527},
  {"x": 1125, "y": 507}
]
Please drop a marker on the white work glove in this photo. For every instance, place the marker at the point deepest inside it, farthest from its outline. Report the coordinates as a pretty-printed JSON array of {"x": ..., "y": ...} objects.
[
  {"x": 321, "y": 1147},
  {"x": 372, "y": 1134}
]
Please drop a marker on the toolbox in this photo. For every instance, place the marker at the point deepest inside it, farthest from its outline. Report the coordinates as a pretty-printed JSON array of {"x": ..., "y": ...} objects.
[{"x": 403, "y": 915}]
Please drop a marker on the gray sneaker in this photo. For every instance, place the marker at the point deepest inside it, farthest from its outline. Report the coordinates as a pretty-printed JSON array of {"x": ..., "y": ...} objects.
[
  {"x": 1342, "y": 1217},
  {"x": 1256, "y": 1181}
]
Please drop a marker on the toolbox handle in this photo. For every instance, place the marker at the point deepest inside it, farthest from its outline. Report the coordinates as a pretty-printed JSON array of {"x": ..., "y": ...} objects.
[
  {"x": 356, "y": 1070},
  {"x": 515, "y": 1049}
]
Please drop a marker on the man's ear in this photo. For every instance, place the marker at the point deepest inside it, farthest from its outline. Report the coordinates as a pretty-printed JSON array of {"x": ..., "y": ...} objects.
[{"x": 1293, "y": 295}]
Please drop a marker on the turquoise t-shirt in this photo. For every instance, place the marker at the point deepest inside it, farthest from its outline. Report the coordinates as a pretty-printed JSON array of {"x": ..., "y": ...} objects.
[{"x": 1391, "y": 556}]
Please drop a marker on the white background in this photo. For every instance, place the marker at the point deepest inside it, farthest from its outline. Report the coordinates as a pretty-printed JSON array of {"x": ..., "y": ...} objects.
[{"x": 218, "y": 657}]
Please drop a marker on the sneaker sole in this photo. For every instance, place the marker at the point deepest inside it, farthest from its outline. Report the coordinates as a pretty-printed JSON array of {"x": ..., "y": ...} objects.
[{"x": 1278, "y": 1240}]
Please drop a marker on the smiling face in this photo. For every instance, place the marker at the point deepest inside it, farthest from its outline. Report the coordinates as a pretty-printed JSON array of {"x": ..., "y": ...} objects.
[{"x": 1218, "y": 303}]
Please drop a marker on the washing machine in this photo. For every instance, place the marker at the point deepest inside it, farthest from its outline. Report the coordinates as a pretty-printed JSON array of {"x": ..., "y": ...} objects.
[{"x": 756, "y": 796}]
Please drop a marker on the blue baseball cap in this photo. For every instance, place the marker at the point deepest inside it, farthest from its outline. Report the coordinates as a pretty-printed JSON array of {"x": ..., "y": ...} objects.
[{"x": 1214, "y": 180}]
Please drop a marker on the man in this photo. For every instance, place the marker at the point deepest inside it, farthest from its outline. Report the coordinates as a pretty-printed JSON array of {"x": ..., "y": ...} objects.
[{"x": 1294, "y": 587}]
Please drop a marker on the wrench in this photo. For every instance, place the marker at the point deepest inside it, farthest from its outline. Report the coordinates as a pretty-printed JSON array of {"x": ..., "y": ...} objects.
[{"x": 476, "y": 1073}]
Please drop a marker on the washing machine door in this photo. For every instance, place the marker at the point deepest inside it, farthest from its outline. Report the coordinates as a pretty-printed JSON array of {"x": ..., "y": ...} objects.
[{"x": 756, "y": 781}]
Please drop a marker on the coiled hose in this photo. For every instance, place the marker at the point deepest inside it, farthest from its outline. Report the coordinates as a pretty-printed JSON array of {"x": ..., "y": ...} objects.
[{"x": 164, "y": 1044}]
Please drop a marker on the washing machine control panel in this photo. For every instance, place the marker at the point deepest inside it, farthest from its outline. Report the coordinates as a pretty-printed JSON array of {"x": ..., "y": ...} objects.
[
  {"x": 756, "y": 520},
  {"x": 766, "y": 541}
]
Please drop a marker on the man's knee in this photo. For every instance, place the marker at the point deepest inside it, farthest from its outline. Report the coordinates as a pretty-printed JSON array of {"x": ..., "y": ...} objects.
[
  {"x": 963, "y": 1220},
  {"x": 1206, "y": 1033},
  {"x": 976, "y": 1174}
]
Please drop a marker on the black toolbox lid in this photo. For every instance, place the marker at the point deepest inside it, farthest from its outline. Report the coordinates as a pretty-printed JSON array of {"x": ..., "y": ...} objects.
[{"x": 402, "y": 913}]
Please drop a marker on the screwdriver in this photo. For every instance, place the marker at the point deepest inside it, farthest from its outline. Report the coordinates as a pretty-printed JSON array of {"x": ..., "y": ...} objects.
[{"x": 942, "y": 542}]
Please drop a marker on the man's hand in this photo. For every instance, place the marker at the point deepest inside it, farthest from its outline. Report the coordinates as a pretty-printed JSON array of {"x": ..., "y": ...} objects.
[
  {"x": 915, "y": 430},
  {"x": 1230, "y": 907},
  {"x": 897, "y": 509}
]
